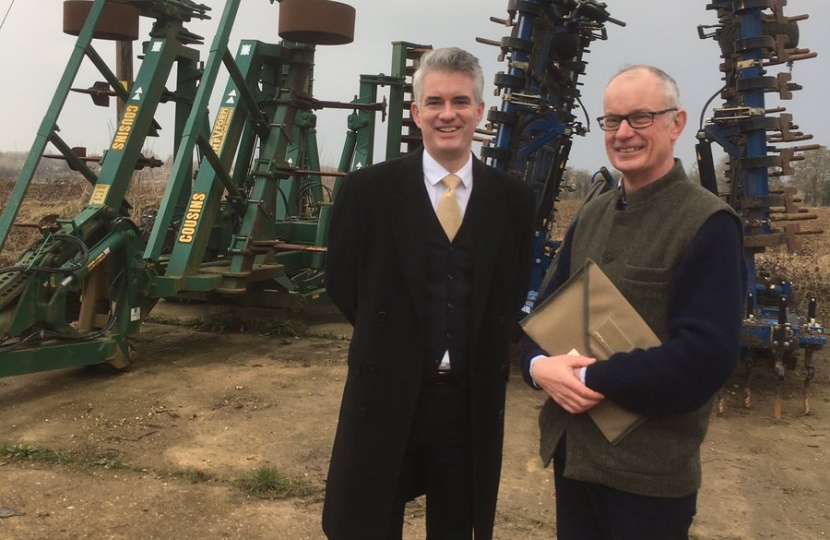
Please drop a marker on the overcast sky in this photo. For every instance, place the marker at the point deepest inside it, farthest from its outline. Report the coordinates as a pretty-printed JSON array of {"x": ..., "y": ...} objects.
[{"x": 34, "y": 52}]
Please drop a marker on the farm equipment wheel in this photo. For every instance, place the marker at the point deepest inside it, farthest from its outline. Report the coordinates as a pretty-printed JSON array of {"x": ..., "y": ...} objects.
[
  {"x": 318, "y": 22},
  {"x": 118, "y": 22}
]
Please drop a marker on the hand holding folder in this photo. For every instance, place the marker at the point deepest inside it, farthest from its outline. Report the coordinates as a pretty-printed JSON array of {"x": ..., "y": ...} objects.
[{"x": 589, "y": 316}]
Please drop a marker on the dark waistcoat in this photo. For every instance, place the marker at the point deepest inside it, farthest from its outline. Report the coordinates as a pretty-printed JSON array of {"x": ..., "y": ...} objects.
[{"x": 450, "y": 282}]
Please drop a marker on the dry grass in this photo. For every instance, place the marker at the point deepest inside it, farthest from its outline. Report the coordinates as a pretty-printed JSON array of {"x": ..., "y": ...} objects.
[
  {"x": 64, "y": 198},
  {"x": 44, "y": 201},
  {"x": 808, "y": 269}
]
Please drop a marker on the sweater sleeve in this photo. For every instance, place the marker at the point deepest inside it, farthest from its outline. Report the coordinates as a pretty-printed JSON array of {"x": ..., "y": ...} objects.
[{"x": 706, "y": 299}]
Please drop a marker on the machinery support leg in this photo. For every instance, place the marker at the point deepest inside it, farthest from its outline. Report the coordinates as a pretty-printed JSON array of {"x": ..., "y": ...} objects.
[
  {"x": 748, "y": 367},
  {"x": 810, "y": 372},
  {"x": 780, "y": 371}
]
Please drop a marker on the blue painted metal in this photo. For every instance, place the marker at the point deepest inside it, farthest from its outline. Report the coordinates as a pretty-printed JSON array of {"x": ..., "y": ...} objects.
[{"x": 540, "y": 93}]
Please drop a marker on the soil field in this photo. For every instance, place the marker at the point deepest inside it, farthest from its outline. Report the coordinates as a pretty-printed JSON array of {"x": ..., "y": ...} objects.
[{"x": 155, "y": 451}]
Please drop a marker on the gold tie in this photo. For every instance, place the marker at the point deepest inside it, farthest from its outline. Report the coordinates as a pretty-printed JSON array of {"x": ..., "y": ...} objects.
[{"x": 449, "y": 211}]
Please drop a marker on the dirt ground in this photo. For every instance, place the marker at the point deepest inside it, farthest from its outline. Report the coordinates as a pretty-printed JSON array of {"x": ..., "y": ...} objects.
[{"x": 196, "y": 410}]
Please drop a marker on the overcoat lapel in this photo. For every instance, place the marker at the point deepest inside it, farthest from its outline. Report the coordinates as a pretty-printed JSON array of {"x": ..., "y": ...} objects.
[{"x": 408, "y": 208}]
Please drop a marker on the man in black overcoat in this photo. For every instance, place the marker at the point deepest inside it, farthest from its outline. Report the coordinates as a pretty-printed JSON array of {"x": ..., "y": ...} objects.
[{"x": 432, "y": 305}]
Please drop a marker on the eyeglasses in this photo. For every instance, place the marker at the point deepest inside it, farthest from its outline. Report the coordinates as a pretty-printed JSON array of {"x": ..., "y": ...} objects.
[{"x": 637, "y": 120}]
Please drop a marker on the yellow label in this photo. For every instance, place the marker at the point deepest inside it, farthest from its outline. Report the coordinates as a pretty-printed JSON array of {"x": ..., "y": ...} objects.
[
  {"x": 125, "y": 127},
  {"x": 99, "y": 194},
  {"x": 220, "y": 128},
  {"x": 191, "y": 217}
]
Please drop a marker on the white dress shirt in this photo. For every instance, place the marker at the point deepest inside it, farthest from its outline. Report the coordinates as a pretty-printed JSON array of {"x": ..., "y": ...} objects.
[{"x": 434, "y": 173}]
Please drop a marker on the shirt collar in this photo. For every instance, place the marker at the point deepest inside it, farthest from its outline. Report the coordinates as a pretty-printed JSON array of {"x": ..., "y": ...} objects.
[{"x": 434, "y": 172}]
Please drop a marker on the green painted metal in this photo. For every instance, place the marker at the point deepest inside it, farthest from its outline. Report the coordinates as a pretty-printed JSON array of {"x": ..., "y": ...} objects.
[
  {"x": 194, "y": 130},
  {"x": 62, "y": 355},
  {"x": 75, "y": 297},
  {"x": 137, "y": 118},
  {"x": 249, "y": 227},
  {"x": 402, "y": 53},
  {"x": 271, "y": 166},
  {"x": 203, "y": 207}
]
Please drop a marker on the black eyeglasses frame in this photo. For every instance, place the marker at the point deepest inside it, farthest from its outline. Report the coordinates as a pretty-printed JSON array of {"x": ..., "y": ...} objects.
[{"x": 602, "y": 119}]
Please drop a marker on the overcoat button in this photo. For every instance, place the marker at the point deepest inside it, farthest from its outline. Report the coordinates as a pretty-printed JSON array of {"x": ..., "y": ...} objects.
[{"x": 381, "y": 316}]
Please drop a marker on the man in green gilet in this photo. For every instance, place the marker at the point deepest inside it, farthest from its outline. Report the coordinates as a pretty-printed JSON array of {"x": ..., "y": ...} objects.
[{"x": 674, "y": 250}]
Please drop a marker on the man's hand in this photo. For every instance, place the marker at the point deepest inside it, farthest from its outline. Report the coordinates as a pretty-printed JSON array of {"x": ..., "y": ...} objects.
[{"x": 559, "y": 377}]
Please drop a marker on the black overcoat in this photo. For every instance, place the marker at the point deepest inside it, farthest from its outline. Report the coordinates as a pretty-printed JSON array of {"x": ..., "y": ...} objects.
[{"x": 376, "y": 274}]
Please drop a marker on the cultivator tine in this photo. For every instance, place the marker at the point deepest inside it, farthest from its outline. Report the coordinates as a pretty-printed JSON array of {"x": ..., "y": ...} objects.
[
  {"x": 779, "y": 387},
  {"x": 748, "y": 366},
  {"x": 810, "y": 372}
]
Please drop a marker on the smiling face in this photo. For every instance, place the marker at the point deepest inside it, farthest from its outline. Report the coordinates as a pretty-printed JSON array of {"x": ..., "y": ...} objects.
[
  {"x": 642, "y": 155},
  {"x": 448, "y": 114}
]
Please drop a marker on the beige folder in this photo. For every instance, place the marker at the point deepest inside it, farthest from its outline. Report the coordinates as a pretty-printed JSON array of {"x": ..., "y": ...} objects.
[{"x": 589, "y": 315}]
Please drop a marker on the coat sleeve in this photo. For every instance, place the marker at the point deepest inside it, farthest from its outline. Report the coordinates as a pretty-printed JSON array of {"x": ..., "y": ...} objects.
[{"x": 342, "y": 260}]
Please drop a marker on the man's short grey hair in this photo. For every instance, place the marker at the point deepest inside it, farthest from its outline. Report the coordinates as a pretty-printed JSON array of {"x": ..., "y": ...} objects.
[
  {"x": 452, "y": 60},
  {"x": 670, "y": 89}
]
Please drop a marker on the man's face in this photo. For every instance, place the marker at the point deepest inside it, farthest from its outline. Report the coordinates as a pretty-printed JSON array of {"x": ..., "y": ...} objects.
[
  {"x": 447, "y": 116},
  {"x": 645, "y": 154}
]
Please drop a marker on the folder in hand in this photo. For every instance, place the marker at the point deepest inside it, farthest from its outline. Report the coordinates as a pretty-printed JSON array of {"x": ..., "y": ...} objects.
[{"x": 589, "y": 316}]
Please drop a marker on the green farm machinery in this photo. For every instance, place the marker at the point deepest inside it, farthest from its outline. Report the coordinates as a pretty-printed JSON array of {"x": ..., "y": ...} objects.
[{"x": 244, "y": 213}]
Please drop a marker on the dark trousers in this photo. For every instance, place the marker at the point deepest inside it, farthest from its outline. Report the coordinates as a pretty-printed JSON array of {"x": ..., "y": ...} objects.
[
  {"x": 438, "y": 463},
  {"x": 588, "y": 511}
]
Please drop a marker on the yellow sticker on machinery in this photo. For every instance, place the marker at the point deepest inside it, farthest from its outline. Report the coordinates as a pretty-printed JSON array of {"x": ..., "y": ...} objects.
[
  {"x": 99, "y": 194},
  {"x": 220, "y": 128},
  {"x": 191, "y": 217},
  {"x": 125, "y": 127}
]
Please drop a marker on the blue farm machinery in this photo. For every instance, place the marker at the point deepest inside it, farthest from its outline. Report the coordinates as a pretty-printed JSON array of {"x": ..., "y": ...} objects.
[
  {"x": 243, "y": 218},
  {"x": 759, "y": 45}
]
